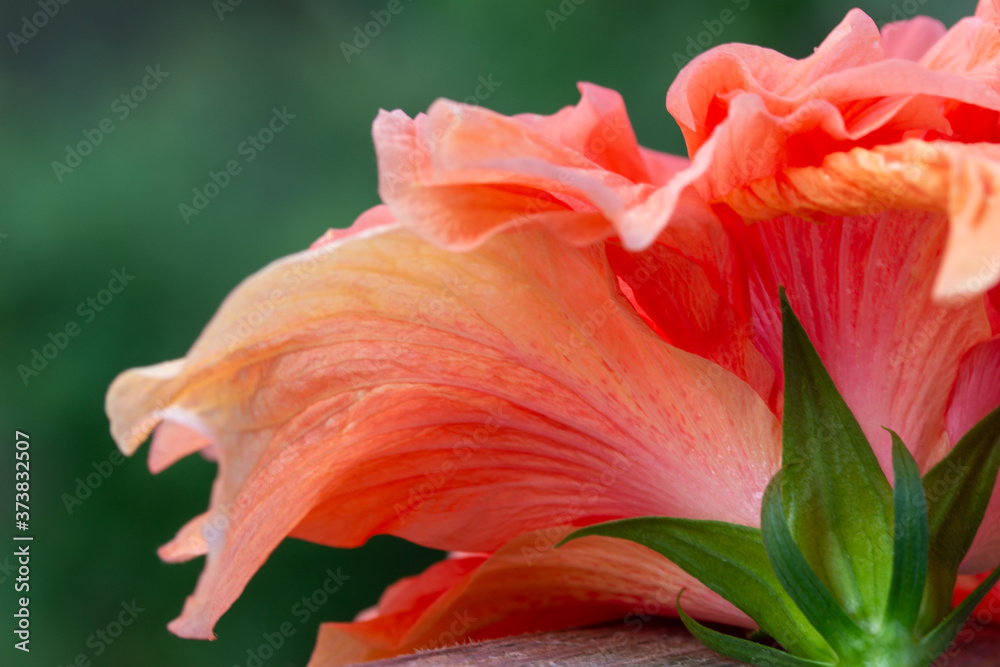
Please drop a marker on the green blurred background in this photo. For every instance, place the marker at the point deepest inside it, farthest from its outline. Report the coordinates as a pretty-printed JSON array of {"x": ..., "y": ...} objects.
[{"x": 60, "y": 240}]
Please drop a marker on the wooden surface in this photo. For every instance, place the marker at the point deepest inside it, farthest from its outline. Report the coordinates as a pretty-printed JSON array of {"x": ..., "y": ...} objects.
[{"x": 663, "y": 645}]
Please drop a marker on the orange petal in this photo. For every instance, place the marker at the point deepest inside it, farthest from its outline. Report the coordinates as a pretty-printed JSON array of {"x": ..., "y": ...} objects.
[
  {"x": 524, "y": 587},
  {"x": 462, "y": 173},
  {"x": 961, "y": 180},
  {"x": 379, "y": 384}
]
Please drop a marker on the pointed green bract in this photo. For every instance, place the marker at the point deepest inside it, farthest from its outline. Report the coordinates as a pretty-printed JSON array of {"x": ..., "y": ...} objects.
[
  {"x": 935, "y": 643},
  {"x": 909, "y": 564},
  {"x": 813, "y": 598},
  {"x": 742, "y": 649},
  {"x": 836, "y": 497},
  {"x": 836, "y": 573},
  {"x": 958, "y": 490},
  {"x": 731, "y": 560}
]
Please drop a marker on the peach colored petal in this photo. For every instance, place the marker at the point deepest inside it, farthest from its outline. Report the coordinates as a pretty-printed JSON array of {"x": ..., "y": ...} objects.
[
  {"x": 962, "y": 180},
  {"x": 525, "y": 586},
  {"x": 374, "y": 217},
  {"x": 911, "y": 39},
  {"x": 862, "y": 289},
  {"x": 462, "y": 173},
  {"x": 599, "y": 130},
  {"x": 379, "y": 384},
  {"x": 989, "y": 11}
]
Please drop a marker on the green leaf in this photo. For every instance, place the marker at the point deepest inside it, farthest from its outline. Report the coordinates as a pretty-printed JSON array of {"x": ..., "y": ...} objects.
[
  {"x": 935, "y": 643},
  {"x": 742, "y": 649},
  {"x": 797, "y": 577},
  {"x": 909, "y": 563},
  {"x": 729, "y": 559},
  {"x": 958, "y": 490},
  {"x": 836, "y": 496}
]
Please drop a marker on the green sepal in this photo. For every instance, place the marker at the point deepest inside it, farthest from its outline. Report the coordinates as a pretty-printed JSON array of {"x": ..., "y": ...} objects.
[
  {"x": 797, "y": 577},
  {"x": 958, "y": 491},
  {"x": 742, "y": 649},
  {"x": 909, "y": 564},
  {"x": 938, "y": 640},
  {"x": 729, "y": 559},
  {"x": 836, "y": 498}
]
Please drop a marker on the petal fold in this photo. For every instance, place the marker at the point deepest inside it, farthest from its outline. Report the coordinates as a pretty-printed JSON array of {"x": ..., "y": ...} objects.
[
  {"x": 381, "y": 385},
  {"x": 960, "y": 180},
  {"x": 460, "y": 173},
  {"x": 908, "y": 119}
]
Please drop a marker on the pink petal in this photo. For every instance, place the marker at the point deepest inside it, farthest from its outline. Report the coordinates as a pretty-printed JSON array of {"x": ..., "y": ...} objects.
[
  {"x": 988, "y": 10},
  {"x": 786, "y": 110},
  {"x": 379, "y": 384},
  {"x": 911, "y": 39},
  {"x": 173, "y": 441},
  {"x": 690, "y": 286},
  {"x": 525, "y": 587},
  {"x": 961, "y": 180},
  {"x": 862, "y": 288},
  {"x": 374, "y": 217},
  {"x": 976, "y": 394},
  {"x": 993, "y": 309},
  {"x": 848, "y": 131}
]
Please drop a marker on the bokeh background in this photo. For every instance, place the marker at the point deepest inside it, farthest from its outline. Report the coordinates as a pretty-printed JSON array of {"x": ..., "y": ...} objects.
[{"x": 230, "y": 63}]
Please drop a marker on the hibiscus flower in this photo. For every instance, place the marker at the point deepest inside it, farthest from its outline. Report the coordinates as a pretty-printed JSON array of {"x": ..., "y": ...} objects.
[{"x": 547, "y": 326}]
